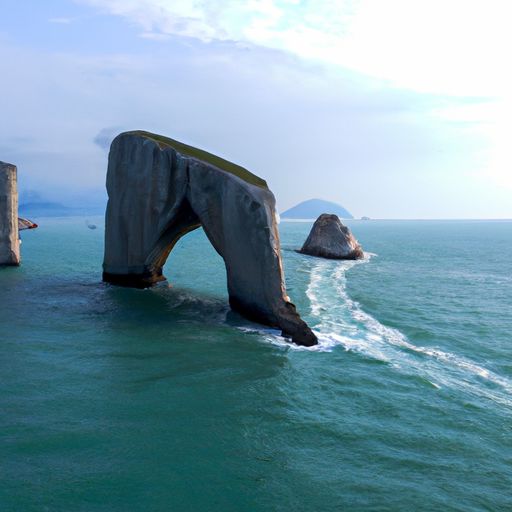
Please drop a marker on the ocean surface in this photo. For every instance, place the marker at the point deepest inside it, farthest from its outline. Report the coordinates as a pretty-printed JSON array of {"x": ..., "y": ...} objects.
[{"x": 117, "y": 399}]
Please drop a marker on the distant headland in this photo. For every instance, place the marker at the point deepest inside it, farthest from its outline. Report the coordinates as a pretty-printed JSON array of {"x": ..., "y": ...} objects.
[{"x": 313, "y": 208}]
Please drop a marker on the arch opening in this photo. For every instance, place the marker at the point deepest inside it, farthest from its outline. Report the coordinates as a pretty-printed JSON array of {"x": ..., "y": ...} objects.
[
  {"x": 195, "y": 266},
  {"x": 183, "y": 222}
]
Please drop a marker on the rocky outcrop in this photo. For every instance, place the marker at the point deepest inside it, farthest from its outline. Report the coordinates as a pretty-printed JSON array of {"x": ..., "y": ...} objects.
[
  {"x": 26, "y": 224},
  {"x": 160, "y": 189},
  {"x": 9, "y": 238},
  {"x": 329, "y": 238}
]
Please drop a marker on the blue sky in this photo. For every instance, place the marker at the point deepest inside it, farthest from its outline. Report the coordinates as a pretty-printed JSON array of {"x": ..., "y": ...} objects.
[{"x": 396, "y": 109}]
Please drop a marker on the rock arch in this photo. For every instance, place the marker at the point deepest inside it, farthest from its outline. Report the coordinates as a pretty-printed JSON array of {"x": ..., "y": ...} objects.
[{"x": 160, "y": 189}]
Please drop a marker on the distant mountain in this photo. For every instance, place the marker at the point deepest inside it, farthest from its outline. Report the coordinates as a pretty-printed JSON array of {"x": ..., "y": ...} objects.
[
  {"x": 312, "y": 208},
  {"x": 49, "y": 209}
]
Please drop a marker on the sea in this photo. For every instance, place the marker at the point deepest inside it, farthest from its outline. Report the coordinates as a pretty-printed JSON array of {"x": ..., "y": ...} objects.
[{"x": 116, "y": 399}]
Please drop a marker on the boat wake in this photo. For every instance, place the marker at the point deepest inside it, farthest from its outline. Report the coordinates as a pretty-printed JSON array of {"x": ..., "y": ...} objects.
[{"x": 337, "y": 320}]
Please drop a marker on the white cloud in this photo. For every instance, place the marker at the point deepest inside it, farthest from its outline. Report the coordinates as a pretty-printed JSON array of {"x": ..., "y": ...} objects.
[{"x": 457, "y": 47}]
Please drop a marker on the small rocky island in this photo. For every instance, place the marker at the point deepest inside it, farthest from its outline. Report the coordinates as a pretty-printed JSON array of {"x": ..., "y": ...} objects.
[
  {"x": 9, "y": 235},
  {"x": 160, "y": 189},
  {"x": 329, "y": 238}
]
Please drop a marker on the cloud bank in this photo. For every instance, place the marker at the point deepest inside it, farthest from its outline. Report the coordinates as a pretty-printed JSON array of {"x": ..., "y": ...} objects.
[{"x": 458, "y": 47}]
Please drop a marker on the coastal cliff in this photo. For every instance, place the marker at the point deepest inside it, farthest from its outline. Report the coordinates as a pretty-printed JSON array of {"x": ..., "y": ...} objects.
[
  {"x": 9, "y": 237},
  {"x": 160, "y": 189}
]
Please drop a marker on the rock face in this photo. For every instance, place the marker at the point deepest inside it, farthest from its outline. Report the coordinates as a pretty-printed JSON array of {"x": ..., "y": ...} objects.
[
  {"x": 329, "y": 238},
  {"x": 9, "y": 237},
  {"x": 160, "y": 189}
]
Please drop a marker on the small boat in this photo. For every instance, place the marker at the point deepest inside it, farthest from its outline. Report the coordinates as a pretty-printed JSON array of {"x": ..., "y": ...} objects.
[
  {"x": 90, "y": 225},
  {"x": 25, "y": 224}
]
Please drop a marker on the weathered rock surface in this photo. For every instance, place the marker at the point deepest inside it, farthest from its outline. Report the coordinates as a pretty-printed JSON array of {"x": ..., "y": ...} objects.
[
  {"x": 9, "y": 237},
  {"x": 160, "y": 189},
  {"x": 329, "y": 238}
]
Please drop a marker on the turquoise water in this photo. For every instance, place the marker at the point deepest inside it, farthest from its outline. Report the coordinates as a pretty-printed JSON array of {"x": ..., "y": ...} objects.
[{"x": 117, "y": 399}]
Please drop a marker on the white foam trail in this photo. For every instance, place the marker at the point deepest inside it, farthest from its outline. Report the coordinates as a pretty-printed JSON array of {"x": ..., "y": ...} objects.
[
  {"x": 395, "y": 337},
  {"x": 341, "y": 321}
]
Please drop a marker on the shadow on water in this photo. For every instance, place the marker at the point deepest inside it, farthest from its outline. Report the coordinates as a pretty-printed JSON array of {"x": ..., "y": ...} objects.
[{"x": 164, "y": 304}]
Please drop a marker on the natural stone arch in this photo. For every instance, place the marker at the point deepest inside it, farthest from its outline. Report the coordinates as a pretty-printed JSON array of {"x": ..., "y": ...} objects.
[{"x": 160, "y": 189}]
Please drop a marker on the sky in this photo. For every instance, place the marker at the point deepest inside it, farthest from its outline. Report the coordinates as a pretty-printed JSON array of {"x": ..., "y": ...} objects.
[{"x": 393, "y": 108}]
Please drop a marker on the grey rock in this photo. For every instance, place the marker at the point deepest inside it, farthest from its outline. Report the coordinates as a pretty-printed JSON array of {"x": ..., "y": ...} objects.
[
  {"x": 160, "y": 189},
  {"x": 9, "y": 237},
  {"x": 329, "y": 238}
]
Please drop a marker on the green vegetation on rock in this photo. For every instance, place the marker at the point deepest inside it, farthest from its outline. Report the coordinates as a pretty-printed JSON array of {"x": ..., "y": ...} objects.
[{"x": 199, "y": 154}]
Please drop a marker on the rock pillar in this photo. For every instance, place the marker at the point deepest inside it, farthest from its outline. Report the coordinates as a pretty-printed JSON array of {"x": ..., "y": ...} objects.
[{"x": 9, "y": 238}]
